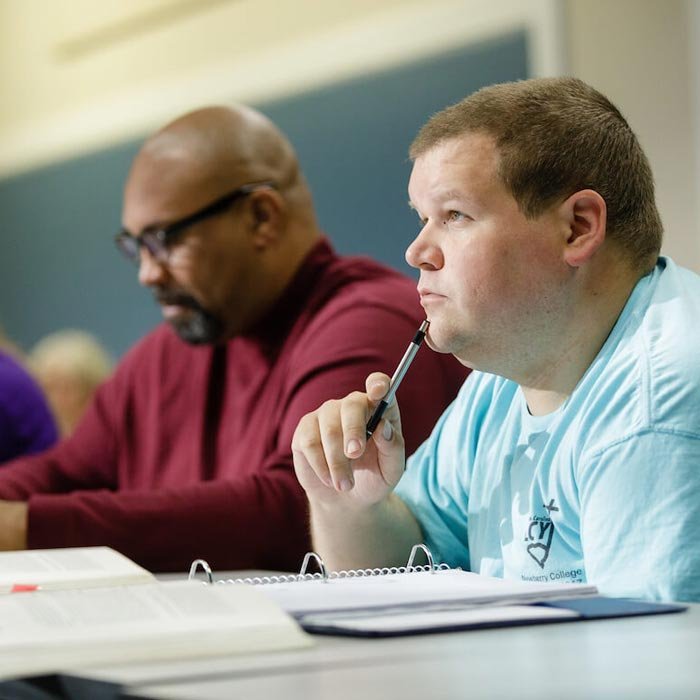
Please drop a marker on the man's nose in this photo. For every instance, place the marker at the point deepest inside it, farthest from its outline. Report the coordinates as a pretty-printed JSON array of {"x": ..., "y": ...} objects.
[
  {"x": 151, "y": 271},
  {"x": 424, "y": 252}
]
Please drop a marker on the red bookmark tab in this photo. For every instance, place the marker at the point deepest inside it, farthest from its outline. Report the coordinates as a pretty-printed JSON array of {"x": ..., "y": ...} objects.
[{"x": 23, "y": 588}]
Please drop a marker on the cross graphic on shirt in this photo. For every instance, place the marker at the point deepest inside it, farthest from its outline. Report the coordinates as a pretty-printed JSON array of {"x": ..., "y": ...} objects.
[{"x": 550, "y": 507}]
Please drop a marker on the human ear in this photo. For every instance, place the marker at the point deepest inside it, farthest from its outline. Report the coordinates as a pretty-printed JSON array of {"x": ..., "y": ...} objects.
[
  {"x": 585, "y": 214},
  {"x": 268, "y": 210}
]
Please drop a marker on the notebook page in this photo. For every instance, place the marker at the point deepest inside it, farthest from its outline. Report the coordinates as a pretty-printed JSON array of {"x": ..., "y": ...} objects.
[{"x": 412, "y": 589}]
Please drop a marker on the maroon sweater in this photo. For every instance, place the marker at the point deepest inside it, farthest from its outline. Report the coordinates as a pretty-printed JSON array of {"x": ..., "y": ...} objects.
[{"x": 185, "y": 452}]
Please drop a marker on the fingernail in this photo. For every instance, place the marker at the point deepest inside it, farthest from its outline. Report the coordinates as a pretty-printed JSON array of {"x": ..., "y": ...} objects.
[
  {"x": 345, "y": 484},
  {"x": 375, "y": 386},
  {"x": 387, "y": 431},
  {"x": 353, "y": 447}
]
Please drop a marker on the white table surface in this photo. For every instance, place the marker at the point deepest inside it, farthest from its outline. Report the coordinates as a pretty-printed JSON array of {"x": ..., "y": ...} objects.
[{"x": 646, "y": 657}]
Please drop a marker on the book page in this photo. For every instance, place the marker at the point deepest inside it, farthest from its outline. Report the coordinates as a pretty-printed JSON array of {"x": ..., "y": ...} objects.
[
  {"x": 50, "y": 630},
  {"x": 412, "y": 589},
  {"x": 75, "y": 566}
]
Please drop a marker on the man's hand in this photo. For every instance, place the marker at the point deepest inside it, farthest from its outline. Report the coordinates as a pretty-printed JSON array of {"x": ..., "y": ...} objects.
[
  {"x": 334, "y": 461},
  {"x": 13, "y": 525},
  {"x": 355, "y": 519}
]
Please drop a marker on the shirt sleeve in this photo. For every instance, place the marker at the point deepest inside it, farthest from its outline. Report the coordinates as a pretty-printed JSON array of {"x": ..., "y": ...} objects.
[{"x": 640, "y": 516}]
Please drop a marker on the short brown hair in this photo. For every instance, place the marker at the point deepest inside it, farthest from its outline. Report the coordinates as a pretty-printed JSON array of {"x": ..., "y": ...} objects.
[{"x": 556, "y": 136}]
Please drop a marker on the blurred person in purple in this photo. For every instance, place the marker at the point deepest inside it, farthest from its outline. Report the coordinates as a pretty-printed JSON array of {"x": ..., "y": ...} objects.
[{"x": 26, "y": 423}]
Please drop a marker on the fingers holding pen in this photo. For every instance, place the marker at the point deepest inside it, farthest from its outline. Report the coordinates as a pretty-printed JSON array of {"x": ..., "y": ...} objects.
[
  {"x": 354, "y": 410},
  {"x": 340, "y": 437},
  {"x": 331, "y": 443},
  {"x": 327, "y": 441},
  {"x": 377, "y": 385},
  {"x": 309, "y": 458}
]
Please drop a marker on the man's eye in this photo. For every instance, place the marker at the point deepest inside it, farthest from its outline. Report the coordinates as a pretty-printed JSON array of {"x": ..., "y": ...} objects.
[{"x": 455, "y": 217}]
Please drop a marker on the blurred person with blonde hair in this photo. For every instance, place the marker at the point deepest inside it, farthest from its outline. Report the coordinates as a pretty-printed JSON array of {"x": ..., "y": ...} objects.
[{"x": 69, "y": 365}]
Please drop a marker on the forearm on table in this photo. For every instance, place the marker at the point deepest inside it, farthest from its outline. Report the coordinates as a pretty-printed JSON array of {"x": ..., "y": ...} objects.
[
  {"x": 258, "y": 522},
  {"x": 37, "y": 474},
  {"x": 377, "y": 536}
]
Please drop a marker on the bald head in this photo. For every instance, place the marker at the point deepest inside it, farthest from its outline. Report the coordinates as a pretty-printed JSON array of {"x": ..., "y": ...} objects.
[
  {"x": 247, "y": 252},
  {"x": 227, "y": 143},
  {"x": 216, "y": 149}
]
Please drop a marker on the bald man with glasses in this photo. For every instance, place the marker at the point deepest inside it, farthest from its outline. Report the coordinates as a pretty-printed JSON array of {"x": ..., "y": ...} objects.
[{"x": 185, "y": 451}]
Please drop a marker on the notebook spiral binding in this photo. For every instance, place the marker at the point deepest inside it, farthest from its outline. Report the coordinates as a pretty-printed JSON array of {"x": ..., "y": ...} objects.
[{"x": 323, "y": 574}]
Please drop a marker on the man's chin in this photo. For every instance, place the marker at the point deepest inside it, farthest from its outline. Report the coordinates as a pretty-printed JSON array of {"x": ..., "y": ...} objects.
[
  {"x": 432, "y": 345},
  {"x": 197, "y": 328},
  {"x": 442, "y": 340},
  {"x": 437, "y": 344}
]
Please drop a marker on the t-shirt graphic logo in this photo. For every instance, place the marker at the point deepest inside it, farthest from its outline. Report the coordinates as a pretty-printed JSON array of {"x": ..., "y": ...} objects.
[{"x": 539, "y": 534}]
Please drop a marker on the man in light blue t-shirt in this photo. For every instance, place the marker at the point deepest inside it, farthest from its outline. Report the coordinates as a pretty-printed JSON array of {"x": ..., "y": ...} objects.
[{"x": 572, "y": 453}]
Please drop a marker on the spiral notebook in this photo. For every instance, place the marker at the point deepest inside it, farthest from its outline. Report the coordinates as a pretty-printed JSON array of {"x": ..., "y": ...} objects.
[{"x": 425, "y": 598}]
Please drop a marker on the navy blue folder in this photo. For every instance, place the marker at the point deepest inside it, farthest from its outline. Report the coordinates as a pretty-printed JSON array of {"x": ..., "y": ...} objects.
[{"x": 582, "y": 609}]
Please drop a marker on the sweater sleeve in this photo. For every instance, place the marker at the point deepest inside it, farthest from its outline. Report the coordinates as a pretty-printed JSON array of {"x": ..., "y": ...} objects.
[{"x": 257, "y": 521}]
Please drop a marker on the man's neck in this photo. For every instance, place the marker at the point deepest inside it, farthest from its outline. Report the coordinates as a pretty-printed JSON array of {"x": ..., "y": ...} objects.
[{"x": 548, "y": 385}]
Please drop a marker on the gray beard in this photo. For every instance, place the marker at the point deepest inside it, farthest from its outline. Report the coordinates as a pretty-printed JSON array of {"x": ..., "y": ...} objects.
[{"x": 201, "y": 328}]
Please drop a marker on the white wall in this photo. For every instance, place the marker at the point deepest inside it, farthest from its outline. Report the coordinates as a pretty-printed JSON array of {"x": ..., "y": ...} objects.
[
  {"x": 638, "y": 53},
  {"x": 97, "y": 72}
]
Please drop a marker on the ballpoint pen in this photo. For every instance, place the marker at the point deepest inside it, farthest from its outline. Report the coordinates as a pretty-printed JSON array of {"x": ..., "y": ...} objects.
[{"x": 398, "y": 376}]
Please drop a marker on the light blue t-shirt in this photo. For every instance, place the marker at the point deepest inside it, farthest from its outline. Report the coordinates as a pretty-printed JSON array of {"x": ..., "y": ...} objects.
[{"x": 606, "y": 489}]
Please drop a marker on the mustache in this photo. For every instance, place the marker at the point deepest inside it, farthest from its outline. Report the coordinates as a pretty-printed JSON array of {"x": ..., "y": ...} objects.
[{"x": 176, "y": 298}]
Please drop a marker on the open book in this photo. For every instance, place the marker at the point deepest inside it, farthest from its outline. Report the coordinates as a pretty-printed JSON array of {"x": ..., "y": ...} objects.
[
  {"x": 68, "y": 568},
  {"x": 90, "y": 620}
]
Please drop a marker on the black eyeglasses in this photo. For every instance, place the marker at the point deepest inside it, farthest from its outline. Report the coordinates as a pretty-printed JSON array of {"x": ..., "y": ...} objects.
[{"x": 158, "y": 241}]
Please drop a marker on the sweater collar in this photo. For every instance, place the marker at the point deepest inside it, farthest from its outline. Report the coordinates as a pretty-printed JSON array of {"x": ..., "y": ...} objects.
[{"x": 270, "y": 331}]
